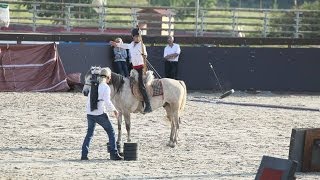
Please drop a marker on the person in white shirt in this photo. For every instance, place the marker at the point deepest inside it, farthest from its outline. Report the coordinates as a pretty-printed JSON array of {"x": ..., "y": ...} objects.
[
  {"x": 171, "y": 55},
  {"x": 137, "y": 52},
  {"x": 101, "y": 117}
]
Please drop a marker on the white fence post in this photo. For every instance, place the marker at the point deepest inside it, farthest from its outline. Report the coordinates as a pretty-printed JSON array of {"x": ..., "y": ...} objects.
[
  {"x": 134, "y": 17},
  {"x": 297, "y": 19},
  {"x": 202, "y": 22},
  {"x": 265, "y": 24},
  {"x": 34, "y": 16},
  {"x": 68, "y": 18},
  {"x": 197, "y": 17},
  {"x": 234, "y": 22},
  {"x": 102, "y": 13},
  {"x": 169, "y": 25}
]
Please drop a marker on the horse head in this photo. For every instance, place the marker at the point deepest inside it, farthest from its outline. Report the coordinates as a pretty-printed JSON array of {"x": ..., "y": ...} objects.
[
  {"x": 95, "y": 70},
  {"x": 91, "y": 76}
]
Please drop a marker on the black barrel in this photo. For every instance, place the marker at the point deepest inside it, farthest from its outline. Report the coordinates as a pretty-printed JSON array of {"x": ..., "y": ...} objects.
[{"x": 130, "y": 151}]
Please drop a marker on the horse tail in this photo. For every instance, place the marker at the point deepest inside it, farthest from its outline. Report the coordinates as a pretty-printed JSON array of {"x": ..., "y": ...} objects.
[{"x": 184, "y": 98}]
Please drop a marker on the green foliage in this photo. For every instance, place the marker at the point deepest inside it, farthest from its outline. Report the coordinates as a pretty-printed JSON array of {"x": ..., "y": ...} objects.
[
  {"x": 79, "y": 12},
  {"x": 312, "y": 22},
  {"x": 184, "y": 3},
  {"x": 181, "y": 14},
  {"x": 309, "y": 22},
  {"x": 271, "y": 4},
  {"x": 312, "y": 6},
  {"x": 281, "y": 24}
]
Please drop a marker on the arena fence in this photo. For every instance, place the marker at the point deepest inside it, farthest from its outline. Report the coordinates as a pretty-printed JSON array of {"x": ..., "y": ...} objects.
[
  {"x": 269, "y": 69},
  {"x": 179, "y": 21}
]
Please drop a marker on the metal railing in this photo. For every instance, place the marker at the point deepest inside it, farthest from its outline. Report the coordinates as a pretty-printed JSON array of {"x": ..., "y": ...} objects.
[{"x": 217, "y": 22}]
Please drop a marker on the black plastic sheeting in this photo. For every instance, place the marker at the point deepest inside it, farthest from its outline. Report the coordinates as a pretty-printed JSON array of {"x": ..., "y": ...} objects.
[{"x": 240, "y": 68}]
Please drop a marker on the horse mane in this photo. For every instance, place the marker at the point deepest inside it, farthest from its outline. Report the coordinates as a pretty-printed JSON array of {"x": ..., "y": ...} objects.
[{"x": 117, "y": 81}]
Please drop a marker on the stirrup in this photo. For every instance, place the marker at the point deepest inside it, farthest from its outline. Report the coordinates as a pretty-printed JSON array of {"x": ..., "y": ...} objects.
[{"x": 147, "y": 109}]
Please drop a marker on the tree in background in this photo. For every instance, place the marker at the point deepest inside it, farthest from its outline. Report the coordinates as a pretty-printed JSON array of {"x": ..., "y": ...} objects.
[
  {"x": 181, "y": 14},
  {"x": 309, "y": 21},
  {"x": 266, "y": 4},
  {"x": 313, "y": 20},
  {"x": 79, "y": 12}
]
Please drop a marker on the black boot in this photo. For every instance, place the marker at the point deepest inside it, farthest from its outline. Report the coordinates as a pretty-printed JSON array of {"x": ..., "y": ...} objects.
[
  {"x": 84, "y": 158},
  {"x": 148, "y": 108},
  {"x": 144, "y": 93},
  {"x": 146, "y": 99},
  {"x": 115, "y": 156}
]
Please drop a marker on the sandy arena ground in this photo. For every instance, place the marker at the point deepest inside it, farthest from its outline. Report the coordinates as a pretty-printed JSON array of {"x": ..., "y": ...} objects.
[{"x": 42, "y": 133}]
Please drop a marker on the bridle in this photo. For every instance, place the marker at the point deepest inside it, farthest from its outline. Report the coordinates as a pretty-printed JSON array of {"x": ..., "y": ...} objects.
[
  {"x": 105, "y": 77},
  {"x": 91, "y": 78}
]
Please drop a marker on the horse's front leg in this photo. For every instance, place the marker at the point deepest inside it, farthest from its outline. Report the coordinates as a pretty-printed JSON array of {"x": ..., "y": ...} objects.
[
  {"x": 128, "y": 125},
  {"x": 119, "y": 127}
]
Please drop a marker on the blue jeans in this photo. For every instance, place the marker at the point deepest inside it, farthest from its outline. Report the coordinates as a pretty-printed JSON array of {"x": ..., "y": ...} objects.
[
  {"x": 122, "y": 68},
  {"x": 103, "y": 121}
]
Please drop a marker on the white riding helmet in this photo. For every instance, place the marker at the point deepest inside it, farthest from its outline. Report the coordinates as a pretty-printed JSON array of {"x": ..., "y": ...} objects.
[{"x": 105, "y": 72}]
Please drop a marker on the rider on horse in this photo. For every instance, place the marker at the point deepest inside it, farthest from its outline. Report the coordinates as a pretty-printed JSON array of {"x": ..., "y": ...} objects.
[{"x": 138, "y": 54}]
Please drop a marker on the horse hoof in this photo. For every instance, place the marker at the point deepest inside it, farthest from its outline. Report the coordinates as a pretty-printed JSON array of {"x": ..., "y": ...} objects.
[{"x": 171, "y": 144}]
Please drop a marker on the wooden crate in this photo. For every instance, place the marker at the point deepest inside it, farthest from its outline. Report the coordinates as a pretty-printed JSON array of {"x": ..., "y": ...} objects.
[
  {"x": 311, "y": 153},
  {"x": 297, "y": 146}
]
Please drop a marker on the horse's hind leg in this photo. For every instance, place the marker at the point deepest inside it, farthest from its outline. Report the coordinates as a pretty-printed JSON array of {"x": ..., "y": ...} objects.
[
  {"x": 128, "y": 125},
  {"x": 119, "y": 127},
  {"x": 166, "y": 106},
  {"x": 172, "y": 135},
  {"x": 176, "y": 119},
  {"x": 172, "y": 118}
]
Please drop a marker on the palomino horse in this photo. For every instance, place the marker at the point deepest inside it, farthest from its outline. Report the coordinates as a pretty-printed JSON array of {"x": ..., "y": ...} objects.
[{"x": 173, "y": 101}]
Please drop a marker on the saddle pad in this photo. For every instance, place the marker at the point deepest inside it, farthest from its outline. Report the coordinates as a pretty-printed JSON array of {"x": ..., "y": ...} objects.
[
  {"x": 154, "y": 90},
  {"x": 157, "y": 87}
]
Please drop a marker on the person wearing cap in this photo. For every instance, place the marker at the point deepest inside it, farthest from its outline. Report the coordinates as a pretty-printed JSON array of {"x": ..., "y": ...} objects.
[
  {"x": 101, "y": 117},
  {"x": 120, "y": 59},
  {"x": 138, "y": 53},
  {"x": 171, "y": 54}
]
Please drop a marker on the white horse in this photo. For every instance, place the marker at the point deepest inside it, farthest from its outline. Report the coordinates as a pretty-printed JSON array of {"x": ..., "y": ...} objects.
[{"x": 173, "y": 101}]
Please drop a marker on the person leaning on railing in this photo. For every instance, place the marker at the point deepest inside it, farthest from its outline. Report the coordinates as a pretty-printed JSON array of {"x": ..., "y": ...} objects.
[{"x": 120, "y": 59}]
